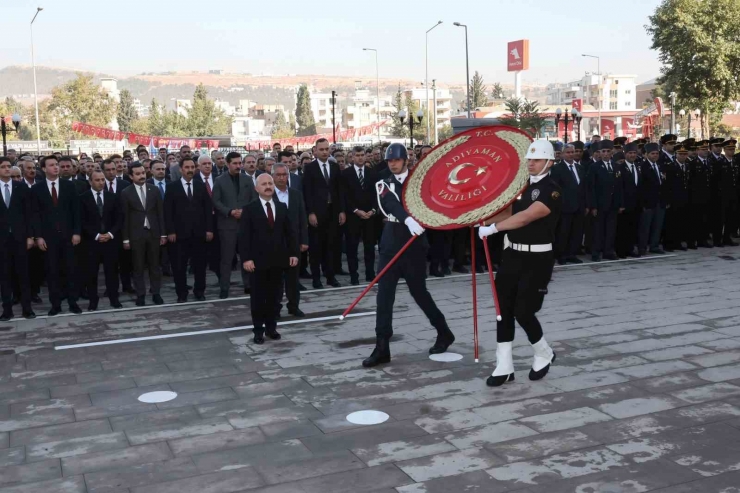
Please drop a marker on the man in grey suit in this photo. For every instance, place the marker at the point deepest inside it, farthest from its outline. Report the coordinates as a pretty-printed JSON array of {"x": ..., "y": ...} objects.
[
  {"x": 143, "y": 231},
  {"x": 299, "y": 223},
  {"x": 231, "y": 192}
]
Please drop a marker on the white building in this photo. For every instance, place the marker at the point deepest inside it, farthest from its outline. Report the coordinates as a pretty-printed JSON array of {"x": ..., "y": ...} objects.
[
  {"x": 615, "y": 92},
  {"x": 321, "y": 109},
  {"x": 141, "y": 109},
  {"x": 444, "y": 102},
  {"x": 110, "y": 86},
  {"x": 363, "y": 110},
  {"x": 180, "y": 106},
  {"x": 245, "y": 127}
]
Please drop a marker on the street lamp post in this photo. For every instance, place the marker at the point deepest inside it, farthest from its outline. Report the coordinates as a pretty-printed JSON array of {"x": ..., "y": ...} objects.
[
  {"x": 577, "y": 122},
  {"x": 333, "y": 121},
  {"x": 35, "y": 89},
  {"x": 16, "y": 119},
  {"x": 682, "y": 114},
  {"x": 426, "y": 76},
  {"x": 697, "y": 115},
  {"x": 598, "y": 69},
  {"x": 467, "y": 63},
  {"x": 434, "y": 112},
  {"x": 558, "y": 115},
  {"x": 419, "y": 117},
  {"x": 377, "y": 89}
]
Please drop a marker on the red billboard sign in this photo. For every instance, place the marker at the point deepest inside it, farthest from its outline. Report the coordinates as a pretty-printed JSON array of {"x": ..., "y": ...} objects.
[
  {"x": 578, "y": 104},
  {"x": 518, "y": 55}
]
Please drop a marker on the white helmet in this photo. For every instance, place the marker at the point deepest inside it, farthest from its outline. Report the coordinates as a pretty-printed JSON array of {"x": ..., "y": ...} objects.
[{"x": 541, "y": 149}]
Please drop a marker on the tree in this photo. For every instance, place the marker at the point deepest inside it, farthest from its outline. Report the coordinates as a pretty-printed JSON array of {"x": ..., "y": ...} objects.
[
  {"x": 204, "y": 119},
  {"x": 79, "y": 100},
  {"x": 156, "y": 121},
  {"x": 281, "y": 128},
  {"x": 303, "y": 113},
  {"x": 478, "y": 96},
  {"x": 524, "y": 115},
  {"x": 398, "y": 129},
  {"x": 420, "y": 128},
  {"x": 127, "y": 113},
  {"x": 697, "y": 45},
  {"x": 445, "y": 132},
  {"x": 497, "y": 92}
]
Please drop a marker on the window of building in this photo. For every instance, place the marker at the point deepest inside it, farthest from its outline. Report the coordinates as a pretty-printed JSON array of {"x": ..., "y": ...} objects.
[
  {"x": 628, "y": 103},
  {"x": 628, "y": 91},
  {"x": 613, "y": 106},
  {"x": 613, "y": 93}
]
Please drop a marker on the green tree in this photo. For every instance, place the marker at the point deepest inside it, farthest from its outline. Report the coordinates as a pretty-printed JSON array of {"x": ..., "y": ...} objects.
[
  {"x": 303, "y": 114},
  {"x": 155, "y": 120},
  {"x": 398, "y": 129},
  {"x": 697, "y": 43},
  {"x": 524, "y": 115},
  {"x": 281, "y": 129},
  {"x": 127, "y": 113},
  {"x": 420, "y": 128},
  {"x": 445, "y": 132},
  {"x": 478, "y": 96},
  {"x": 204, "y": 119},
  {"x": 497, "y": 91},
  {"x": 80, "y": 100}
]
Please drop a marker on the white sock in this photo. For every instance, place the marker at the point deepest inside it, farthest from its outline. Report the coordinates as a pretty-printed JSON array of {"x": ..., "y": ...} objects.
[
  {"x": 504, "y": 360},
  {"x": 542, "y": 354}
]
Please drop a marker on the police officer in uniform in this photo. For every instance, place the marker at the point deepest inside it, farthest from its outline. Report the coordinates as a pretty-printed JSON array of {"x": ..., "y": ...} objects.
[
  {"x": 700, "y": 193},
  {"x": 399, "y": 228},
  {"x": 527, "y": 264}
]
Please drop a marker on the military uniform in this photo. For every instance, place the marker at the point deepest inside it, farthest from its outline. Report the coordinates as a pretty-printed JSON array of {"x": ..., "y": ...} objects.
[
  {"x": 700, "y": 194},
  {"x": 604, "y": 196},
  {"x": 676, "y": 222},
  {"x": 725, "y": 186}
]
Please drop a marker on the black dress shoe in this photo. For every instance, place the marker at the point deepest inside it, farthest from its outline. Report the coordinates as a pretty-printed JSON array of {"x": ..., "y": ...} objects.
[
  {"x": 318, "y": 285},
  {"x": 435, "y": 270},
  {"x": 333, "y": 283},
  {"x": 301, "y": 287},
  {"x": 355, "y": 282},
  {"x": 16, "y": 300},
  {"x": 499, "y": 380},
  {"x": 181, "y": 299},
  {"x": 574, "y": 260},
  {"x": 297, "y": 313},
  {"x": 479, "y": 270},
  {"x": 157, "y": 299},
  {"x": 6, "y": 316},
  {"x": 460, "y": 269},
  {"x": 444, "y": 339},
  {"x": 223, "y": 295},
  {"x": 539, "y": 375},
  {"x": 729, "y": 242},
  {"x": 55, "y": 311},
  {"x": 595, "y": 258},
  {"x": 247, "y": 290},
  {"x": 200, "y": 297},
  {"x": 659, "y": 251},
  {"x": 370, "y": 277},
  {"x": 277, "y": 316},
  {"x": 140, "y": 301},
  {"x": 35, "y": 299},
  {"x": 273, "y": 334},
  {"x": 258, "y": 339},
  {"x": 29, "y": 315},
  {"x": 610, "y": 256},
  {"x": 116, "y": 304},
  {"x": 683, "y": 248},
  {"x": 92, "y": 306},
  {"x": 304, "y": 274},
  {"x": 562, "y": 261},
  {"x": 74, "y": 308},
  {"x": 446, "y": 269},
  {"x": 381, "y": 354}
]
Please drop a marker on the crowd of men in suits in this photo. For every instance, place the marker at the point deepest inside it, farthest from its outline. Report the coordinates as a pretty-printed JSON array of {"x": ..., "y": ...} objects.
[{"x": 181, "y": 214}]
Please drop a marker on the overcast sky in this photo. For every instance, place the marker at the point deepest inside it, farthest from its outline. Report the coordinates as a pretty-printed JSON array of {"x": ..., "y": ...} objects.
[{"x": 327, "y": 36}]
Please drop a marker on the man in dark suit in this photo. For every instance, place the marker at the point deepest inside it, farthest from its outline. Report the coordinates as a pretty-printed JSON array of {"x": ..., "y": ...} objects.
[
  {"x": 628, "y": 220},
  {"x": 116, "y": 185},
  {"x": 16, "y": 238},
  {"x": 101, "y": 218},
  {"x": 188, "y": 218},
  {"x": 293, "y": 199},
  {"x": 231, "y": 192},
  {"x": 204, "y": 174},
  {"x": 676, "y": 220},
  {"x": 655, "y": 199},
  {"x": 143, "y": 232},
  {"x": 295, "y": 181},
  {"x": 358, "y": 182},
  {"x": 267, "y": 246},
  {"x": 572, "y": 181},
  {"x": 325, "y": 206},
  {"x": 56, "y": 223},
  {"x": 604, "y": 200}
]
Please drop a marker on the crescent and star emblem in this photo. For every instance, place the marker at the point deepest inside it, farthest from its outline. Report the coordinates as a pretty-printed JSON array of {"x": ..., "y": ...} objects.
[{"x": 454, "y": 180}]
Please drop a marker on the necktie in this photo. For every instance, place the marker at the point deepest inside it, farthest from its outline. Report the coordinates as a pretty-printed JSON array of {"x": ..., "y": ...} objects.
[
  {"x": 362, "y": 179},
  {"x": 110, "y": 187},
  {"x": 208, "y": 188},
  {"x": 270, "y": 217},
  {"x": 7, "y": 196},
  {"x": 100, "y": 205},
  {"x": 54, "y": 196},
  {"x": 657, "y": 173},
  {"x": 190, "y": 192},
  {"x": 573, "y": 170},
  {"x": 161, "y": 189},
  {"x": 142, "y": 193},
  {"x": 326, "y": 173}
]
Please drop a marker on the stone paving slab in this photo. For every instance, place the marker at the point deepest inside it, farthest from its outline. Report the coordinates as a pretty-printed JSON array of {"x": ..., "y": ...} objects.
[{"x": 646, "y": 399}]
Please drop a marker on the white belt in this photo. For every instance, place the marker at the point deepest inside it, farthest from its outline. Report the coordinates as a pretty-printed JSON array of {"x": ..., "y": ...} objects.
[{"x": 546, "y": 247}]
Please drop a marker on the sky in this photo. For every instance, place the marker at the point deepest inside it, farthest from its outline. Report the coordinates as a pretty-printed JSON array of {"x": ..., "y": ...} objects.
[{"x": 327, "y": 37}]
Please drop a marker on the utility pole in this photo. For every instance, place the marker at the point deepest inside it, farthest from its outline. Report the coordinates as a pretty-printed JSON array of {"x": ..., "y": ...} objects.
[
  {"x": 333, "y": 120},
  {"x": 434, "y": 113}
]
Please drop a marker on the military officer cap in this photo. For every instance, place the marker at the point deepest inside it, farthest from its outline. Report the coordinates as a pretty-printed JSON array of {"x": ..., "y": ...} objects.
[
  {"x": 578, "y": 145},
  {"x": 606, "y": 144},
  {"x": 640, "y": 143},
  {"x": 631, "y": 147},
  {"x": 729, "y": 144},
  {"x": 716, "y": 141},
  {"x": 681, "y": 148},
  {"x": 619, "y": 142},
  {"x": 668, "y": 139},
  {"x": 595, "y": 146},
  {"x": 702, "y": 145},
  {"x": 618, "y": 156},
  {"x": 557, "y": 146},
  {"x": 689, "y": 143},
  {"x": 651, "y": 147}
]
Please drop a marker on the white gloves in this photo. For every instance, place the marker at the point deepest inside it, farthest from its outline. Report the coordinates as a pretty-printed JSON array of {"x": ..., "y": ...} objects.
[
  {"x": 484, "y": 231},
  {"x": 414, "y": 227}
]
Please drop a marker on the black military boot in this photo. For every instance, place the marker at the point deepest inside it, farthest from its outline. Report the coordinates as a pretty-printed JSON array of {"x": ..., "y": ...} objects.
[
  {"x": 445, "y": 338},
  {"x": 381, "y": 353},
  {"x": 435, "y": 269}
]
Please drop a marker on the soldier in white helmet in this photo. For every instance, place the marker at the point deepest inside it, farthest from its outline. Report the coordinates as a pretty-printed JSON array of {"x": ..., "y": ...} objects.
[{"x": 527, "y": 264}]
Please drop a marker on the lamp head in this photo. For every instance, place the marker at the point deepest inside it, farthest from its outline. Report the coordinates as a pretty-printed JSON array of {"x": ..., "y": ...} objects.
[
  {"x": 682, "y": 112},
  {"x": 558, "y": 112},
  {"x": 573, "y": 112},
  {"x": 456, "y": 24},
  {"x": 419, "y": 115},
  {"x": 16, "y": 118},
  {"x": 402, "y": 115}
]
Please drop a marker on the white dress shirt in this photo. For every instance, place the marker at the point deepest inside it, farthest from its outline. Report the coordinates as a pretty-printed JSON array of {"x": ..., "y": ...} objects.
[
  {"x": 633, "y": 170},
  {"x": 6, "y": 187},
  {"x": 321, "y": 167},
  {"x": 265, "y": 206},
  {"x": 185, "y": 186},
  {"x": 102, "y": 200},
  {"x": 573, "y": 171},
  {"x": 402, "y": 176},
  {"x": 207, "y": 179},
  {"x": 56, "y": 185},
  {"x": 283, "y": 197},
  {"x": 27, "y": 183}
]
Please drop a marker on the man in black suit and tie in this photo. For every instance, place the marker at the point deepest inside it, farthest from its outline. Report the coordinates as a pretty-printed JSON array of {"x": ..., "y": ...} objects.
[
  {"x": 116, "y": 185},
  {"x": 572, "y": 181},
  {"x": 677, "y": 221},
  {"x": 628, "y": 220},
  {"x": 325, "y": 206},
  {"x": 267, "y": 246},
  {"x": 101, "y": 217},
  {"x": 293, "y": 199},
  {"x": 604, "y": 202},
  {"x": 295, "y": 181},
  {"x": 188, "y": 219},
  {"x": 143, "y": 232},
  {"x": 16, "y": 238},
  {"x": 56, "y": 222},
  {"x": 655, "y": 199},
  {"x": 358, "y": 182},
  {"x": 204, "y": 174}
]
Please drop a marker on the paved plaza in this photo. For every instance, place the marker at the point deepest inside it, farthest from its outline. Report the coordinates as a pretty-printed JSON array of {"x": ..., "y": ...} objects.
[{"x": 644, "y": 396}]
